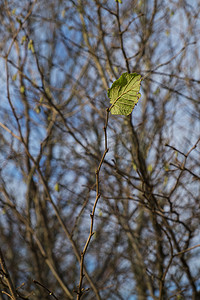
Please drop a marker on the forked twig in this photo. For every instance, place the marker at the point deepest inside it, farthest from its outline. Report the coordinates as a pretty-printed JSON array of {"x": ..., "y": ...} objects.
[
  {"x": 81, "y": 290},
  {"x": 44, "y": 287}
]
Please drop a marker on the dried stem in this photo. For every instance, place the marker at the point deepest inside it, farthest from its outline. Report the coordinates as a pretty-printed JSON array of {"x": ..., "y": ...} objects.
[{"x": 80, "y": 289}]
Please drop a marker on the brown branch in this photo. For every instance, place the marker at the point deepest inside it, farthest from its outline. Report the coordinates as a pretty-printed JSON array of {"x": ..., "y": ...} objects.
[
  {"x": 186, "y": 250},
  {"x": 120, "y": 32},
  {"x": 7, "y": 278},
  {"x": 39, "y": 244},
  {"x": 7, "y": 129},
  {"x": 81, "y": 291}
]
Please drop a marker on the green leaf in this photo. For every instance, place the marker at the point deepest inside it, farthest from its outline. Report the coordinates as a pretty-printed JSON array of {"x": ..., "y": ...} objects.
[
  {"x": 22, "y": 89},
  {"x": 100, "y": 213},
  {"x": 179, "y": 297},
  {"x": 37, "y": 109},
  {"x": 124, "y": 94},
  {"x": 116, "y": 69},
  {"x": 150, "y": 168},
  {"x": 14, "y": 77},
  {"x": 157, "y": 91},
  {"x": 120, "y": 1},
  {"x": 134, "y": 166},
  {"x": 32, "y": 48},
  {"x": 56, "y": 187},
  {"x": 166, "y": 167},
  {"x": 29, "y": 44},
  {"x": 23, "y": 39}
]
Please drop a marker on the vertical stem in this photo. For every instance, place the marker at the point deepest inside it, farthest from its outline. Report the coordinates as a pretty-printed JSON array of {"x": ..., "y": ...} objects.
[
  {"x": 121, "y": 39},
  {"x": 81, "y": 290}
]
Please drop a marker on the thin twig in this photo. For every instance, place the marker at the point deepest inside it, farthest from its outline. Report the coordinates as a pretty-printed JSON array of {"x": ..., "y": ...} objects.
[
  {"x": 44, "y": 287},
  {"x": 81, "y": 290},
  {"x": 7, "y": 129},
  {"x": 186, "y": 250},
  {"x": 7, "y": 278}
]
